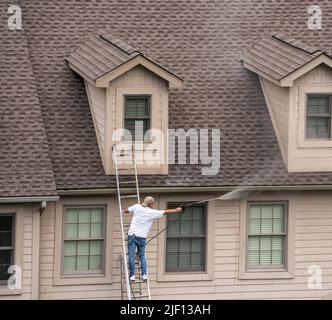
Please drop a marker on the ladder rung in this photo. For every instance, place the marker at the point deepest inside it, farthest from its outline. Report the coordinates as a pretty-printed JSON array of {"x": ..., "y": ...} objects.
[
  {"x": 123, "y": 182},
  {"x": 130, "y": 196},
  {"x": 142, "y": 296},
  {"x": 122, "y": 153}
]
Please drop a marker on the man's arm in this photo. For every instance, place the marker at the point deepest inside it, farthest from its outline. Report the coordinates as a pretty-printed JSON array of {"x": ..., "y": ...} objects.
[
  {"x": 173, "y": 211},
  {"x": 126, "y": 210}
]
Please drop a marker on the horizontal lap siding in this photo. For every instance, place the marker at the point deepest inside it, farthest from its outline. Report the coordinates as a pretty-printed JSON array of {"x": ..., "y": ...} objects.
[
  {"x": 26, "y": 257},
  {"x": 313, "y": 215},
  {"x": 313, "y": 241},
  {"x": 47, "y": 234},
  {"x": 27, "y": 254},
  {"x": 47, "y": 289}
]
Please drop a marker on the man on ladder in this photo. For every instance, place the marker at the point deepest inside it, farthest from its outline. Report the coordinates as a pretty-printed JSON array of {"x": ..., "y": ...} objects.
[{"x": 143, "y": 216}]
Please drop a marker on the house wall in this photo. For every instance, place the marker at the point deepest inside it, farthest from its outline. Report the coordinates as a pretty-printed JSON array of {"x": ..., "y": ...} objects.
[
  {"x": 308, "y": 155},
  {"x": 97, "y": 102},
  {"x": 26, "y": 254},
  {"x": 312, "y": 239},
  {"x": 277, "y": 99}
]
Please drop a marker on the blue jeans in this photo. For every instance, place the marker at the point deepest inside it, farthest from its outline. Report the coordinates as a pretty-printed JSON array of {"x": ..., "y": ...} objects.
[{"x": 139, "y": 244}]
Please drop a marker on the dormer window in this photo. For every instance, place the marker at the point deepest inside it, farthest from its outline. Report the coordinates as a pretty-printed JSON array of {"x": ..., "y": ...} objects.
[
  {"x": 318, "y": 118},
  {"x": 126, "y": 90},
  {"x": 296, "y": 81},
  {"x": 137, "y": 117}
]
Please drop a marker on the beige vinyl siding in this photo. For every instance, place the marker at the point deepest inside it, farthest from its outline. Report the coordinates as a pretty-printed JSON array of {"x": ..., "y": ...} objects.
[
  {"x": 277, "y": 99},
  {"x": 47, "y": 288},
  {"x": 319, "y": 75},
  {"x": 26, "y": 250},
  {"x": 97, "y": 101},
  {"x": 27, "y": 253},
  {"x": 312, "y": 213}
]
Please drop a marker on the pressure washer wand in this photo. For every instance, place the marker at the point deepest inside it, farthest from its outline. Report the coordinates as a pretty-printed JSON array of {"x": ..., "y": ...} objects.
[{"x": 176, "y": 220}]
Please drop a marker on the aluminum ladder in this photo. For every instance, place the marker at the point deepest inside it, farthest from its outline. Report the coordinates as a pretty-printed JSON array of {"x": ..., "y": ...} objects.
[{"x": 138, "y": 290}]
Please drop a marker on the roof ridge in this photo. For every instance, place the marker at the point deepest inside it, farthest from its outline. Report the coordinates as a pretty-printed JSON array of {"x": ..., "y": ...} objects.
[
  {"x": 295, "y": 43},
  {"x": 117, "y": 44}
]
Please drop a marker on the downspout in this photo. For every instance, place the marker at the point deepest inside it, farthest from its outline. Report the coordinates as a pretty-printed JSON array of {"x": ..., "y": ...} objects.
[{"x": 42, "y": 208}]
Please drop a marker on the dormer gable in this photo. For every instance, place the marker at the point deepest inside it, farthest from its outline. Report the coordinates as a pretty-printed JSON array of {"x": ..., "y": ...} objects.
[
  {"x": 119, "y": 77},
  {"x": 282, "y": 60},
  {"x": 296, "y": 81},
  {"x": 102, "y": 58}
]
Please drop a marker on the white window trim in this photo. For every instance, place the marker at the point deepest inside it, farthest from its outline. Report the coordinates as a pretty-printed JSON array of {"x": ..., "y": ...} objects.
[
  {"x": 18, "y": 212},
  {"x": 268, "y": 273},
  {"x": 207, "y": 275},
  {"x": 88, "y": 278},
  {"x": 303, "y": 142}
]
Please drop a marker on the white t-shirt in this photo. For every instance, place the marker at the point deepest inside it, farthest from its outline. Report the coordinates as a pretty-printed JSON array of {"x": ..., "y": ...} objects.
[{"x": 142, "y": 219}]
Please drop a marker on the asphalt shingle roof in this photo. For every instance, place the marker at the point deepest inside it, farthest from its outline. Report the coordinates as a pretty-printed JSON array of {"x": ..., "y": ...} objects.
[
  {"x": 201, "y": 41},
  {"x": 25, "y": 165},
  {"x": 101, "y": 54},
  {"x": 278, "y": 56}
]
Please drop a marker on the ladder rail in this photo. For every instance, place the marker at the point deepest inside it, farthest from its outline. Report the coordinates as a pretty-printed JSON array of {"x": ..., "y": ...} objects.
[
  {"x": 121, "y": 223},
  {"x": 121, "y": 270},
  {"x": 148, "y": 284},
  {"x": 123, "y": 259},
  {"x": 136, "y": 177}
]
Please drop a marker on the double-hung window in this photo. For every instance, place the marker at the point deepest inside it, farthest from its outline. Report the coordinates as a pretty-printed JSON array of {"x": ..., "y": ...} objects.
[
  {"x": 318, "y": 117},
  {"x": 186, "y": 240},
  {"x": 137, "y": 117},
  {"x": 266, "y": 235},
  {"x": 6, "y": 245},
  {"x": 83, "y": 240}
]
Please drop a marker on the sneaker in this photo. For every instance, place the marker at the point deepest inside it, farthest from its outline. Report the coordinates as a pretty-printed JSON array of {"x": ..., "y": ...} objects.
[
  {"x": 132, "y": 278},
  {"x": 144, "y": 277}
]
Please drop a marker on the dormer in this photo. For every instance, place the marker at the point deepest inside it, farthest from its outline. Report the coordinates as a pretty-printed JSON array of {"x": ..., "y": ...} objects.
[
  {"x": 126, "y": 90},
  {"x": 296, "y": 81}
]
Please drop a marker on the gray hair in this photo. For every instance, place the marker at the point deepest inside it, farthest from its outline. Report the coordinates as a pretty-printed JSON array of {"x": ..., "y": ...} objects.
[{"x": 148, "y": 201}]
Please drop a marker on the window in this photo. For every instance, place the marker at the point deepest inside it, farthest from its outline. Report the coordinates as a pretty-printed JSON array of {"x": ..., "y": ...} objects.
[
  {"x": 83, "y": 240},
  {"x": 266, "y": 243},
  {"x": 6, "y": 245},
  {"x": 185, "y": 240},
  {"x": 318, "y": 125},
  {"x": 137, "y": 116}
]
